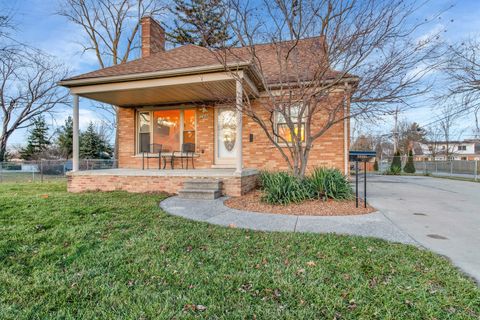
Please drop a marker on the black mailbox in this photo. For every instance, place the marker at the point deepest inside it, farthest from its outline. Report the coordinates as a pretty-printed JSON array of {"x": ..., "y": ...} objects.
[{"x": 361, "y": 156}]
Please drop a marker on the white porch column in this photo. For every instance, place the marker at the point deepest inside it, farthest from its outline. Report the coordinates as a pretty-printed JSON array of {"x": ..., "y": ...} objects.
[
  {"x": 76, "y": 142},
  {"x": 239, "y": 102}
]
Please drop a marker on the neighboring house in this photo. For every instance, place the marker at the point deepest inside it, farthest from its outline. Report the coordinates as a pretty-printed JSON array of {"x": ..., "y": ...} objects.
[
  {"x": 453, "y": 150},
  {"x": 168, "y": 97}
]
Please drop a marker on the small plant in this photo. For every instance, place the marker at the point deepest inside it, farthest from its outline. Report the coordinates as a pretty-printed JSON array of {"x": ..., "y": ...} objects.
[
  {"x": 396, "y": 165},
  {"x": 375, "y": 165},
  {"x": 282, "y": 188},
  {"x": 393, "y": 171},
  {"x": 409, "y": 166},
  {"x": 325, "y": 183}
]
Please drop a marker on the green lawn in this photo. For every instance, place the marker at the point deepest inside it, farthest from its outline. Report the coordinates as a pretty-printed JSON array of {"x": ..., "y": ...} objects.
[{"x": 117, "y": 255}]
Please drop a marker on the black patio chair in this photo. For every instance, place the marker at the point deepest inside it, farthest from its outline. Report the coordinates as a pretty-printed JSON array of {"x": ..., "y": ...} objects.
[
  {"x": 187, "y": 152},
  {"x": 156, "y": 152}
]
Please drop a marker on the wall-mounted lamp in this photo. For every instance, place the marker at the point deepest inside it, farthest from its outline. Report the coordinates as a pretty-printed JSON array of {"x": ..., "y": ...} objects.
[{"x": 204, "y": 112}]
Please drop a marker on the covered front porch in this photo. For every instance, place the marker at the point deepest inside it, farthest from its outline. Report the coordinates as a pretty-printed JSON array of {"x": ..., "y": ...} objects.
[{"x": 166, "y": 111}]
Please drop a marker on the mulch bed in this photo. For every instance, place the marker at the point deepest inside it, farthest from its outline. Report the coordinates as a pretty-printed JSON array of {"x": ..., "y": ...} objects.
[{"x": 251, "y": 202}]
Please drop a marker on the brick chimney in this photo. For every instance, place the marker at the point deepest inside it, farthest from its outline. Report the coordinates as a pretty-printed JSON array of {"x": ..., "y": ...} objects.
[{"x": 153, "y": 37}]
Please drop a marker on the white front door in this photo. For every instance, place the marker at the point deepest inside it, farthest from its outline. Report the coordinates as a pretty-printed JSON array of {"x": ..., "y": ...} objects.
[{"x": 225, "y": 136}]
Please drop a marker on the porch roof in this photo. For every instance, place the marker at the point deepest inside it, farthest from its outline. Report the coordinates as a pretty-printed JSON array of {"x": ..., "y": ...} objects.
[{"x": 167, "y": 88}]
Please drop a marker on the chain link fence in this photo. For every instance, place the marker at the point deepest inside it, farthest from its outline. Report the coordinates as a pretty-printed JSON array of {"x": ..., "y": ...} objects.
[
  {"x": 47, "y": 170},
  {"x": 457, "y": 168}
]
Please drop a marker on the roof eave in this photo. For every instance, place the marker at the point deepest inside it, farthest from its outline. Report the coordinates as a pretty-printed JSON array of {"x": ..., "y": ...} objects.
[{"x": 152, "y": 75}]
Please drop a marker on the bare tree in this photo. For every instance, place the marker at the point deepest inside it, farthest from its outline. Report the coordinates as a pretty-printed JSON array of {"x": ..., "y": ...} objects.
[
  {"x": 111, "y": 28},
  {"x": 6, "y": 25},
  {"x": 364, "y": 142},
  {"x": 462, "y": 67},
  {"x": 447, "y": 123},
  {"x": 28, "y": 88},
  {"x": 434, "y": 138},
  {"x": 380, "y": 63},
  {"x": 408, "y": 134}
]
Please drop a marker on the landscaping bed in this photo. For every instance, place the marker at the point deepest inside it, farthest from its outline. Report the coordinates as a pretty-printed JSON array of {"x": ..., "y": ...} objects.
[
  {"x": 117, "y": 255},
  {"x": 252, "y": 202}
]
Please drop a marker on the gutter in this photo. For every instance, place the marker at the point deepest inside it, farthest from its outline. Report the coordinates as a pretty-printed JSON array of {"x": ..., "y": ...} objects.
[
  {"x": 152, "y": 75},
  {"x": 347, "y": 81}
]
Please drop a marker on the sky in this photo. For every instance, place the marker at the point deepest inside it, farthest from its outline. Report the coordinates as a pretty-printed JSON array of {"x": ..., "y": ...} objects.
[{"x": 37, "y": 24}]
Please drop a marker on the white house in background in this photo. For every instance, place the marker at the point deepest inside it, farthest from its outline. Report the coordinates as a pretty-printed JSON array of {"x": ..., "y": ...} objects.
[{"x": 456, "y": 150}]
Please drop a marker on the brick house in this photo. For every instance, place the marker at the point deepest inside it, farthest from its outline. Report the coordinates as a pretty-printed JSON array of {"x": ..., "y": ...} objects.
[{"x": 170, "y": 97}]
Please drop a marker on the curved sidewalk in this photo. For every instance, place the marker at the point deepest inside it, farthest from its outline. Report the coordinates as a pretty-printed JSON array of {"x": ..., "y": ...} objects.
[{"x": 214, "y": 211}]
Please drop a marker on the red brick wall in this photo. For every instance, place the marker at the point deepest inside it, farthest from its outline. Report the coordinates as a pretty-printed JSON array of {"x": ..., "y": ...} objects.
[
  {"x": 328, "y": 150},
  {"x": 153, "y": 37},
  {"x": 127, "y": 140},
  {"x": 89, "y": 181}
]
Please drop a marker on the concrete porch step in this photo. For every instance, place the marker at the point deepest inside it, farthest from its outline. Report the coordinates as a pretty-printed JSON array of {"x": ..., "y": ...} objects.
[
  {"x": 207, "y": 189},
  {"x": 202, "y": 184},
  {"x": 200, "y": 194}
]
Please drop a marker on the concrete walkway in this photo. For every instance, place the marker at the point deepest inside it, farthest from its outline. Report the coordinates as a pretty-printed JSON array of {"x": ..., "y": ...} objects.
[
  {"x": 214, "y": 211},
  {"x": 442, "y": 215}
]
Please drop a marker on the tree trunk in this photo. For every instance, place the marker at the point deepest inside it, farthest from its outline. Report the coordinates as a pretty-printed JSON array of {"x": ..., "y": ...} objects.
[{"x": 3, "y": 148}]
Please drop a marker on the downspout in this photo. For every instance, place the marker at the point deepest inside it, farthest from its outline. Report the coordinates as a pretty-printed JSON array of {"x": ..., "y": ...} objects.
[{"x": 345, "y": 130}]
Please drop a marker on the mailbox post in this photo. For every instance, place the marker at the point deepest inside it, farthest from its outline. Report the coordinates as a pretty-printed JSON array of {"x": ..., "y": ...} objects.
[{"x": 363, "y": 156}]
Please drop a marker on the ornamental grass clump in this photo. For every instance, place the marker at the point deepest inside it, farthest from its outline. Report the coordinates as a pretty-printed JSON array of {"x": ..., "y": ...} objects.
[
  {"x": 283, "y": 188},
  {"x": 326, "y": 183}
]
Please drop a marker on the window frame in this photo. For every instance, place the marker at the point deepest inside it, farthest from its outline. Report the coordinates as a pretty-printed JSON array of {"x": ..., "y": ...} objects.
[
  {"x": 150, "y": 111},
  {"x": 303, "y": 124},
  {"x": 138, "y": 133}
]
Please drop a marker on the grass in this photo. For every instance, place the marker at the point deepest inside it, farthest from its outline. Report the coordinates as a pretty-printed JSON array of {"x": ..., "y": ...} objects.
[
  {"x": 14, "y": 177},
  {"x": 117, "y": 255}
]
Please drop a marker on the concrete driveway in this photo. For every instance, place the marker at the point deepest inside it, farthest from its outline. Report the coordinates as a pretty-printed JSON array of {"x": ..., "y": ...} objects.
[{"x": 440, "y": 214}]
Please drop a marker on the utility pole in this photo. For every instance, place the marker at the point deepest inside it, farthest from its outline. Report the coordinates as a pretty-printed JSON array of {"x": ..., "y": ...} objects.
[{"x": 395, "y": 131}]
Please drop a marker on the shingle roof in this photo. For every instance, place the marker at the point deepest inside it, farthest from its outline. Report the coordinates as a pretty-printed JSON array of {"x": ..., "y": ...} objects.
[{"x": 190, "y": 56}]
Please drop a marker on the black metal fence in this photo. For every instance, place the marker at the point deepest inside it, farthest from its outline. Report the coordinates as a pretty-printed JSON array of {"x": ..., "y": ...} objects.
[{"x": 45, "y": 170}]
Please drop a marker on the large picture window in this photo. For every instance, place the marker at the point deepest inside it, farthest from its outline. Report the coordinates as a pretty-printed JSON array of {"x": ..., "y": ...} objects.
[
  {"x": 170, "y": 128},
  {"x": 283, "y": 130}
]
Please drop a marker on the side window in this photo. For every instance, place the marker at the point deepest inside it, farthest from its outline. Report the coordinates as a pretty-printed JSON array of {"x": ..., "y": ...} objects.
[
  {"x": 144, "y": 125},
  {"x": 282, "y": 128}
]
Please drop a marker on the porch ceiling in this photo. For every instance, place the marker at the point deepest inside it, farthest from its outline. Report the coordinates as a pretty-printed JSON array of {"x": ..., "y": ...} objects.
[
  {"x": 168, "y": 94},
  {"x": 181, "y": 89}
]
